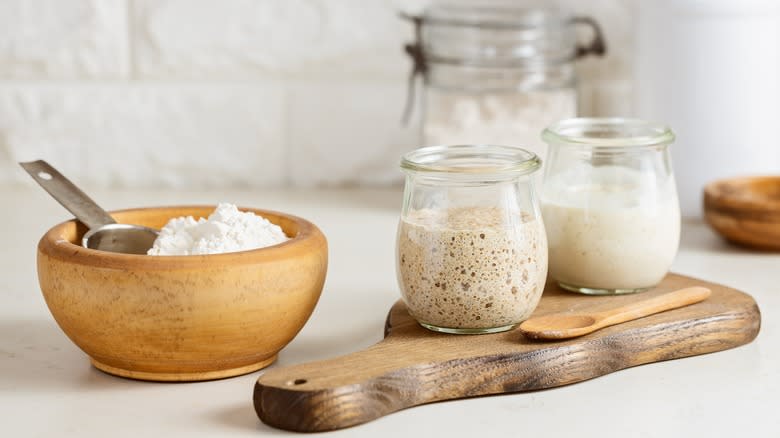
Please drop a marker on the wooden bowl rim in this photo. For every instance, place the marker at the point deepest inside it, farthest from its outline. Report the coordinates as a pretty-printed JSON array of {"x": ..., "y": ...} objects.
[
  {"x": 714, "y": 197},
  {"x": 53, "y": 244}
]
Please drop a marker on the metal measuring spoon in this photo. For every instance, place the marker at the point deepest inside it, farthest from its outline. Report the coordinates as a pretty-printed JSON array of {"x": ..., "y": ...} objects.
[{"x": 104, "y": 233}]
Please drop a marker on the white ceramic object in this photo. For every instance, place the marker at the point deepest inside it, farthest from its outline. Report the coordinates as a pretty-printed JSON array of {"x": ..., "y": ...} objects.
[{"x": 711, "y": 71}]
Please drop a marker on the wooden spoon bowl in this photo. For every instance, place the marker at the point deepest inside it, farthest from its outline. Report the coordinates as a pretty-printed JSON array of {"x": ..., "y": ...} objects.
[
  {"x": 745, "y": 210},
  {"x": 571, "y": 325},
  {"x": 182, "y": 318}
]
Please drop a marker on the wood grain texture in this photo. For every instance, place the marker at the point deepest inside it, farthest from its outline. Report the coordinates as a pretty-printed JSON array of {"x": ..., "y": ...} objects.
[
  {"x": 413, "y": 366},
  {"x": 182, "y": 318},
  {"x": 745, "y": 211},
  {"x": 567, "y": 325}
]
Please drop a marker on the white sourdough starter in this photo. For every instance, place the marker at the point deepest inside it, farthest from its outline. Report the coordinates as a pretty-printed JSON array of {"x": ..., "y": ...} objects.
[
  {"x": 469, "y": 268},
  {"x": 611, "y": 236}
]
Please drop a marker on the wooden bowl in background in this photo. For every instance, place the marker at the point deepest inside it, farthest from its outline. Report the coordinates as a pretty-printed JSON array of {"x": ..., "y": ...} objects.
[
  {"x": 745, "y": 210},
  {"x": 182, "y": 318}
]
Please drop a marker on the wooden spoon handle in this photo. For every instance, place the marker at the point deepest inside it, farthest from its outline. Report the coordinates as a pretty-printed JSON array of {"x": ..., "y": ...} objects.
[{"x": 661, "y": 303}]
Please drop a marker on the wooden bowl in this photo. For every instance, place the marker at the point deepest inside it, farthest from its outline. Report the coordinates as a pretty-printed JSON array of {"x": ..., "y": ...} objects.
[
  {"x": 182, "y": 318},
  {"x": 745, "y": 210}
]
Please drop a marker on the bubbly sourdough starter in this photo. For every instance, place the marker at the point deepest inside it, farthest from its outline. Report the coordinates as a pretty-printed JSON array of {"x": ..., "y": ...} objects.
[
  {"x": 609, "y": 239},
  {"x": 468, "y": 268}
]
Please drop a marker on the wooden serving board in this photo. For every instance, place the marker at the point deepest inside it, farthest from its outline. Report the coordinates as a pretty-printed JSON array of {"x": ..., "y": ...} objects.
[{"x": 413, "y": 366}]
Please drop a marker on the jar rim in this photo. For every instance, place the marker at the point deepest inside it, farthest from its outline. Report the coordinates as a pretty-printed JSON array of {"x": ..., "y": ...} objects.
[
  {"x": 608, "y": 132},
  {"x": 477, "y": 160},
  {"x": 494, "y": 16},
  {"x": 506, "y": 35}
]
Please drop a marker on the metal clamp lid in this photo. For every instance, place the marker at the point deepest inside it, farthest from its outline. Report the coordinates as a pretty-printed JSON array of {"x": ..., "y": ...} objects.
[
  {"x": 419, "y": 64},
  {"x": 597, "y": 46}
]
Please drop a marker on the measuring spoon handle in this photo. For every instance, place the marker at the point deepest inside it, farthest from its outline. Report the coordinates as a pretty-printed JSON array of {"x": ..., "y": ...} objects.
[
  {"x": 67, "y": 194},
  {"x": 661, "y": 303}
]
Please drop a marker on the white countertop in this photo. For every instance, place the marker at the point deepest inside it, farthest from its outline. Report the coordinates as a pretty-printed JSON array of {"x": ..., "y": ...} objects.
[{"x": 48, "y": 388}]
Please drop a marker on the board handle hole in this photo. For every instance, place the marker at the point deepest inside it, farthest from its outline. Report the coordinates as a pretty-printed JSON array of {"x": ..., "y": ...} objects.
[{"x": 297, "y": 382}]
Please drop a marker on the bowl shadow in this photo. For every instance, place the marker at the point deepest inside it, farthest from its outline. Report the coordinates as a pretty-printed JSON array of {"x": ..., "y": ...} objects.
[
  {"x": 35, "y": 355},
  {"x": 326, "y": 345}
]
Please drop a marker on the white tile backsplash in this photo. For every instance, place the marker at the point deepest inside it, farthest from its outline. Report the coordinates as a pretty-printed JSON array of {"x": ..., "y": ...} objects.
[
  {"x": 347, "y": 133},
  {"x": 147, "y": 135},
  {"x": 237, "y": 92},
  {"x": 252, "y": 39},
  {"x": 53, "y": 39}
]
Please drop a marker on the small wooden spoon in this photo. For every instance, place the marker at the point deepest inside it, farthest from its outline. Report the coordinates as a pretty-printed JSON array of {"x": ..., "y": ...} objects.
[{"x": 571, "y": 325}]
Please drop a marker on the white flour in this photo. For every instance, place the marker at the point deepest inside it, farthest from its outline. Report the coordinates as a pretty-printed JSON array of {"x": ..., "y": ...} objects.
[
  {"x": 226, "y": 230},
  {"x": 508, "y": 118}
]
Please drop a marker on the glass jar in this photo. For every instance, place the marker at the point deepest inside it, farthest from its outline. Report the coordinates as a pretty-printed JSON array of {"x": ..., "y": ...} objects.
[
  {"x": 610, "y": 204},
  {"x": 471, "y": 251},
  {"x": 497, "y": 75}
]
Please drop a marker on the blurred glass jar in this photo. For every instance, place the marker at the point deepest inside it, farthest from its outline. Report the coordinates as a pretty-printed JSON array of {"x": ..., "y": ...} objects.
[
  {"x": 471, "y": 249},
  {"x": 610, "y": 204},
  {"x": 496, "y": 75}
]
